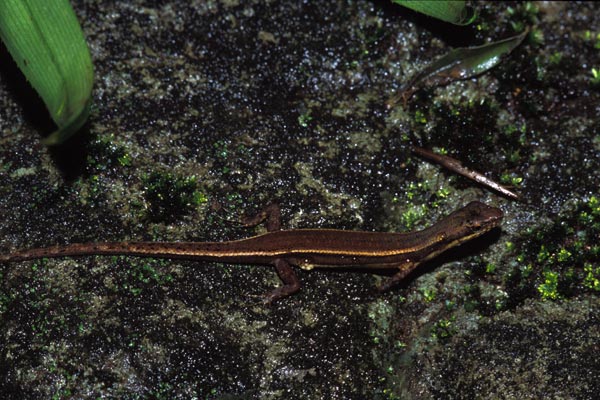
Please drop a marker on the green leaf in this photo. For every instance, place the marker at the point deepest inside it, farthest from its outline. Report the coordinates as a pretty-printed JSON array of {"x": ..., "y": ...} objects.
[
  {"x": 460, "y": 63},
  {"x": 46, "y": 42},
  {"x": 465, "y": 62},
  {"x": 454, "y": 12}
]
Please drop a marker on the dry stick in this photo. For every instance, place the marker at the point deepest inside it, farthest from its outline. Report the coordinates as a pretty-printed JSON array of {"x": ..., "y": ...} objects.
[{"x": 455, "y": 165}]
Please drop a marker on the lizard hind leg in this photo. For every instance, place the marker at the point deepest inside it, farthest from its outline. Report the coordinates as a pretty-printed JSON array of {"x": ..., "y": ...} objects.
[{"x": 291, "y": 283}]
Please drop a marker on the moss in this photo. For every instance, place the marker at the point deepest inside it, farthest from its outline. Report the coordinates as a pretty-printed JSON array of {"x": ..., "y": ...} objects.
[
  {"x": 443, "y": 329},
  {"x": 472, "y": 297},
  {"x": 591, "y": 279},
  {"x": 428, "y": 294},
  {"x": 557, "y": 258},
  {"x": 170, "y": 196},
  {"x": 442, "y": 193},
  {"x": 139, "y": 275},
  {"x": 411, "y": 216},
  {"x": 304, "y": 119},
  {"x": 415, "y": 188},
  {"x": 106, "y": 153},
  {"x": 511, "y": 179},
  {"x": 592, "y": 38},
  {"x": 420, "y": 117},
  {"x": 555, "y": 58},
  {"x": 549, "y": 288},
  {"x": 523, "y": 15}
]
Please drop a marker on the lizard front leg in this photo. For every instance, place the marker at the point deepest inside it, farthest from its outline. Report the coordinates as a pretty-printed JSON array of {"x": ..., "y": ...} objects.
[
  {"x": 404, "y": 270},
  {"x": 271, "y": 215}
]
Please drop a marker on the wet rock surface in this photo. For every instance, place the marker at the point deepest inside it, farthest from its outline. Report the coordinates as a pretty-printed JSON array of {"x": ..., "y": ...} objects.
[{"x": 208, "y": 110}]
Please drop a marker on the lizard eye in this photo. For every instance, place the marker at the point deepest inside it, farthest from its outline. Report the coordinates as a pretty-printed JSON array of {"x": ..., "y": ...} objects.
[{"x": 471, "y": 224}]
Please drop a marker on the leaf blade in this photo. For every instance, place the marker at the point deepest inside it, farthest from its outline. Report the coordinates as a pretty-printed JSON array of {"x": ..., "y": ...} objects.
[
  {"x": 457, "y": 64},
  {"x": 454, "y": 11},
  {"x": 46, "y": 42}
]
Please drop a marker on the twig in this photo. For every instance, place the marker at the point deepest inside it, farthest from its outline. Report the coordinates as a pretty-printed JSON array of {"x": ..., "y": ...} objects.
[{"x": 455, "y": 165}]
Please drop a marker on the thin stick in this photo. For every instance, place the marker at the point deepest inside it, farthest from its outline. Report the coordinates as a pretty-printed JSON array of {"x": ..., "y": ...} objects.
[{"x": 455, "y": 165}]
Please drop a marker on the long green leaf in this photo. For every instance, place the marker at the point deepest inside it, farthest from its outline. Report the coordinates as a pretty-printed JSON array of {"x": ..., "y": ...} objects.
[
  {"x": 454, "y": 12},
  {"x": 460, "y": 63},
  {"x": 47, "y": 44}
]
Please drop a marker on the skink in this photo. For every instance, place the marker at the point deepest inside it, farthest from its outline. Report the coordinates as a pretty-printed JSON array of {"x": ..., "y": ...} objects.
[{"x": 305, "y": 248}]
